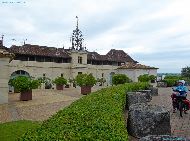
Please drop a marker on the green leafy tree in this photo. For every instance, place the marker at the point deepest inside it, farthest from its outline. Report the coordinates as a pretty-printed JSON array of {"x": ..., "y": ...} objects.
[
  {"x": 185, "y": 72},
  {"x": 120, "y": 79}
]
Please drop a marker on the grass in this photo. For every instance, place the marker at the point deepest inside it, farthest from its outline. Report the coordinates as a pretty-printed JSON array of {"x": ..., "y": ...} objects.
[{"x": 10, "y": 131}]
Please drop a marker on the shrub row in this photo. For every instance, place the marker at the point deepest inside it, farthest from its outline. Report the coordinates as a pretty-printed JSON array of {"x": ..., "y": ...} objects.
[
  {"x": 170, "y": 82},
  {"x": 98, "y": 116}
]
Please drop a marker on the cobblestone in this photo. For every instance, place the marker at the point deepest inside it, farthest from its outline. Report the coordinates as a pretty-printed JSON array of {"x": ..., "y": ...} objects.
[{"x": 180, "y": 126}]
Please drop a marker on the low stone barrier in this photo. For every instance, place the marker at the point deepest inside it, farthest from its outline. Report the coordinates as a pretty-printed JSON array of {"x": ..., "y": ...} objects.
[
  {"x": 161, "y": 84},
  {"x": 144, "y": 119},
  {"x": 148, "y": 94},
  {"x": 163, "y": 138},
  {"x": 135, "y": 97},
  {"x": 154, "y": 91}
]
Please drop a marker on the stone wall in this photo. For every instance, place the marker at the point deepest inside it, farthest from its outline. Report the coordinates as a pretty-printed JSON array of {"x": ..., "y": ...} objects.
[{"x": 4, "y": 77}]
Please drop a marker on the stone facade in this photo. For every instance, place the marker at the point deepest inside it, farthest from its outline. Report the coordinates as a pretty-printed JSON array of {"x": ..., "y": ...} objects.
[{"x": 4, "y": 75}]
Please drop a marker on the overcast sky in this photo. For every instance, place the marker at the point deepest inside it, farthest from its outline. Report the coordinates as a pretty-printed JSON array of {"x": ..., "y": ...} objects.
[{"x": 152, "y": 32}]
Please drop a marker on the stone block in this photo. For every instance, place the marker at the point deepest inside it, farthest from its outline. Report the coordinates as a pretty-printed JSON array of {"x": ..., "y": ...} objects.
[
  {"x": 163, "y": 138},
  {"x": 161, "y": 84},
  {"x": 144, "y": 119},
  {"x": 154, "y": 91},
  {"x": 148, "y": 94},
  {"x": 135, "y": 97}
]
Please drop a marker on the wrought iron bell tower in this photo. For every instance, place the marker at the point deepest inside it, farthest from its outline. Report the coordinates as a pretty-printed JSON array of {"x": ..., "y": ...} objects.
[{"x": 77, "y": 38}]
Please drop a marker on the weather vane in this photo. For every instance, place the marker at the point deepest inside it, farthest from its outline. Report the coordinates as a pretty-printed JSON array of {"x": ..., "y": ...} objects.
[
  {"x": 77, "y": 38},
  {"x": 25, "y": 41},
  {"x": 2, "y": 37}
]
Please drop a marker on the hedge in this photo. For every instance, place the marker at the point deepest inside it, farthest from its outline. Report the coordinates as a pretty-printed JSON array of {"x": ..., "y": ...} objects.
[
  {"x": 170, "y": 82},
  {"x": 98, "y": 116}
]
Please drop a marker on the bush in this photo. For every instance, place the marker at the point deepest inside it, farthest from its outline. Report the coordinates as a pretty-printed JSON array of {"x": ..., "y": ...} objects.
[
  {"x": 85, "y": 80},
  {"x": 173, "y": 77},
  {"x": 120, "y": 79},
  {"x": 98, "y": 116},
  {"x": 46, "y": 81},
  {"x": 23, "y": 83},
  {"x": 170, "y": 82},
  {"x": 152, "y": 78},
  {"x": 144, "y": 78},
  {"x": 60, "y": 81}
]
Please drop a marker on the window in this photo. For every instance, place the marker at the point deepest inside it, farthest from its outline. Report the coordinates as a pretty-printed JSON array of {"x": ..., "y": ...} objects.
[
  {"x": 62, "y": 75},
  {"x": 79, "y": 72},
  {"x": 58, "y": 60},
  {"x": 48, "y": 59},
  {"x": 31, "y": 58},
  {"x": 44, "y": 75},
  {"x": 102, "y": 74},
  {"x": 40, "y": 59},
  {"x": 24, "y": 58},
  {"x": 79, "y": 59}
]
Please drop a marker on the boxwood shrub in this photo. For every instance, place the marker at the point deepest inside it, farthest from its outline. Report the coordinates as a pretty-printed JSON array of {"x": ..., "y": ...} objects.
[{"x": 98, "y": 116}]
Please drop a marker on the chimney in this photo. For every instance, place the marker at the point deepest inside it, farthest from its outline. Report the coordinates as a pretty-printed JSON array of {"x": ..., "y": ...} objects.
[{"x": 1, "y": 43}]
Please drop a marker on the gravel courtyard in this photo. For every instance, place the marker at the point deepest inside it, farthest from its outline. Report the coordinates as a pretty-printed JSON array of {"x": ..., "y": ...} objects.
[{"x": 44, "y": 104}]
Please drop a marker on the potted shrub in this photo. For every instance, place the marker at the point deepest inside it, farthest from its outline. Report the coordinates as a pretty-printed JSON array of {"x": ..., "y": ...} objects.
[
  {"x": 86, "y": 82},
  {"x": 120, "y": 79},
  {"x": 47, "y": 83},
  {"x": 152, "y": 78},
  {"x": 60, "y": 82},
  {"x": 144, "y": 78},
  {"x": 101, "y": 81},
  {"x": 25, "y": 85}
]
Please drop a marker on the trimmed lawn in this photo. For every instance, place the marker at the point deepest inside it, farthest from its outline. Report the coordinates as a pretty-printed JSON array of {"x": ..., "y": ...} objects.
[{"x": 10, "y": 131}]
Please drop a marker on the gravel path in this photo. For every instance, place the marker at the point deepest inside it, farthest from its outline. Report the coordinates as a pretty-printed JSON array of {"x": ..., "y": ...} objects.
[{"x": 44, "y": 103}]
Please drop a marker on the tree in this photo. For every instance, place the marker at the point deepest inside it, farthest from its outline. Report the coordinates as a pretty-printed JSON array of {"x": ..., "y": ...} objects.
[{"x": 185, "y": 72}]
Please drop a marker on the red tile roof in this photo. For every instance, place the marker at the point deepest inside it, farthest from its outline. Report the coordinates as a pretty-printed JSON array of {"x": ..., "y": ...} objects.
[
  {"x": 112, "y": 55},
  {"x": 120, "y": 56},
  {"x": 136, "y": 66},
  {"x": 28, "y": 49}
]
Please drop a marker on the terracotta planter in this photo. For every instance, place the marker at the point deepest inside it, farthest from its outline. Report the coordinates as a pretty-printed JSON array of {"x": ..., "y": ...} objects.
[
  {"x": 59, "y": 87},
  {"x": 85, "y": 90},
  {"x": 25, "y": 96}
]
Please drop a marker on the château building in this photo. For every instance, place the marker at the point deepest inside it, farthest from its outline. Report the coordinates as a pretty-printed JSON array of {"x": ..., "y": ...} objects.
[{"x": 42, "y": 61}]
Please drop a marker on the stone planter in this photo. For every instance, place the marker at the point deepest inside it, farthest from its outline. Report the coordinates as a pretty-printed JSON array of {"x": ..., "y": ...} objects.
[
  {"x": 146, "y": 120},
  {"x": 148, "y": 94},
  {"x": 59, "y": 87},
  {"x": 85, "y": 90},
  {"x": 154, "y": 91},
  {"x": 25, "y": 96},
  {"x": 135, "y": 97}
]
